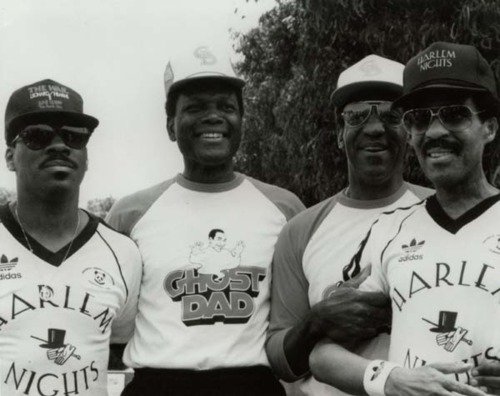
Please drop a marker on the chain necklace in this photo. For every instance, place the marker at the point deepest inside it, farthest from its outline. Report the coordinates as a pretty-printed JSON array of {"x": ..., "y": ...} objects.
[{"x": 29, "y": 244}]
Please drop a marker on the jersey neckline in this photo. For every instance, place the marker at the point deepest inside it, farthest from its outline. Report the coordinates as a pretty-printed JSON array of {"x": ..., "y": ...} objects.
[
  {"x": 52, "y": 258},
  {"x": 438, "y": 214},
  {"x": 371, "y": 203},
  {"x": 210, "y": 187}
]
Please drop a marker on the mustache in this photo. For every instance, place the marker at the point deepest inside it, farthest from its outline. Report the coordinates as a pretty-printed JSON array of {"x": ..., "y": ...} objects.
[
  {"x": 59, "y": 157},
  {"x": 441, "y": 143}
]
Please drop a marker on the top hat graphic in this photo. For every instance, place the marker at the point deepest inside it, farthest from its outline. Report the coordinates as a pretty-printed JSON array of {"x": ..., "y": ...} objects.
[
  {"x": 55, "y": 339},
  {"x": 446, "y": 323}
]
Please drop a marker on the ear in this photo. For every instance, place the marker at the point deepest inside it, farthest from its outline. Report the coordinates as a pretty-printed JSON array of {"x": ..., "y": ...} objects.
[
  {"x": 9, "y": 159},
  {"x": 171, "y": 128},
  {"x": 491, "y": 128},
  {"x": 340, "y": 138}
]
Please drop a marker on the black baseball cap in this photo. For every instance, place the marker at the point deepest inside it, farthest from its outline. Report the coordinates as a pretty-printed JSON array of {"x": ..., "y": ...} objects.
[
  {"x": 44, "y": 100},
  {"x": 446, "y": 67}
]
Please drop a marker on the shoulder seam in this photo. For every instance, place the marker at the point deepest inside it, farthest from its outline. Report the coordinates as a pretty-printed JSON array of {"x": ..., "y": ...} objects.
[{"x": 117, "y": 262}]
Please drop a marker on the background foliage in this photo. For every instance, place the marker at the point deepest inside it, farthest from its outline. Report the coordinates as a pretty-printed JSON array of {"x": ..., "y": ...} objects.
[
  {"x": 292, "y": 61},
  {"x": 98, "y": 206}
]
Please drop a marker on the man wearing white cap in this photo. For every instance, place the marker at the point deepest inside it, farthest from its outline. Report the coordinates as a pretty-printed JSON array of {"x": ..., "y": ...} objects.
[
  {"x": 438, "y": 261},
  {"x": 313, "y": 251},
  {"x": 202, "y": 325}
]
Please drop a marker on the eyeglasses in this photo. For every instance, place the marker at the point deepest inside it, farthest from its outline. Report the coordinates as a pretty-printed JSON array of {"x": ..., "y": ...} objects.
[
  {"x": 359, "y": 113},
  {"x": 37, "y": 137},
  {"x": 454, "y": 118}
]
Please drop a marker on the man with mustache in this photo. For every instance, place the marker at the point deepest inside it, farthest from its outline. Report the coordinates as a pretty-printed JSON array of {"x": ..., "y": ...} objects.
[
  {"x": 56, "y": 316},
  {"x": 314, "y": 248},
  {"x": 438, "y": 261},
  {"x": 197, "y": 332}
]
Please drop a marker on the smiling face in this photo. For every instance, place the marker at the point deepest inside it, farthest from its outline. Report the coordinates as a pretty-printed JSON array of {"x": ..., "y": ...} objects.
[
  {"x": 207, "y": 124},
  {"x": 448, "y": 157},
  {"x": 56, "y": 167},
  {"x": 218, "y": 241},
  {"x": 375, "y": 152}
]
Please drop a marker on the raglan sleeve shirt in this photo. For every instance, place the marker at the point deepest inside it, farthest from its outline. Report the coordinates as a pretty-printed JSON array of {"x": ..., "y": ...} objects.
[
  {"x": 289, "y": 292},
  {"x": 123, "y": 325}
]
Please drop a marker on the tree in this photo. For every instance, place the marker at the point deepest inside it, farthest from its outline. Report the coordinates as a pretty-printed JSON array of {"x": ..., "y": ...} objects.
[
  {"x": 6, "y": 196},
  {"x": 100, "y": 206},
  {"x": 292, "y": 61}
]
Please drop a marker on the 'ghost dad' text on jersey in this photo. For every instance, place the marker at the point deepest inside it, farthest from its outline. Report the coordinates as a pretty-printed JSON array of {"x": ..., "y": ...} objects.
[{"x": 207, "y": 250}]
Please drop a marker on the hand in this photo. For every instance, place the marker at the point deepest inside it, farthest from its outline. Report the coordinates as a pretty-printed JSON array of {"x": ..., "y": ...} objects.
[
  {"x": 349, "y": 315},
  {"x": 238, "y": 248},
  {"x": 429, "y": 380},
  {"x": 487, "y": 375},
  {"x": 196, "y": 247}
]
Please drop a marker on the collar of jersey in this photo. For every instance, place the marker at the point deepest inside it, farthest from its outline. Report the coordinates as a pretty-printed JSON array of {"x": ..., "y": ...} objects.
[
  {"x": 438, "y": 214},
  {"x": 53, "y": 258},
  {"x": 210, "y": 187},
  {"x": 371, "y": 203}
]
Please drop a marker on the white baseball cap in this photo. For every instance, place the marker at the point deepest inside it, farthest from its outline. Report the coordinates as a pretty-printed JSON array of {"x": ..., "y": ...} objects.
[
  {"x": 370, "y": 78},
  {"x": 200, "y": 63}
]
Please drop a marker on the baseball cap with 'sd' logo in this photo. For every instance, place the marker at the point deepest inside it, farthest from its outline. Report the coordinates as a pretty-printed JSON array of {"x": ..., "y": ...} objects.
[
  {"x": 199, "y": 63},
  {"x": 373, "y": 77},
  {"x": 44, "y": 100},
  {"x": 446, "y": 66}
]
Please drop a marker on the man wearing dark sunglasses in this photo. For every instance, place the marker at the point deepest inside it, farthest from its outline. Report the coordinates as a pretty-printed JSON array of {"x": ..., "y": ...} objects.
[
  {"x": 314, "y": 248},
  {"x": 438, "y": 260},
  {"x": 65, "y": 278}
]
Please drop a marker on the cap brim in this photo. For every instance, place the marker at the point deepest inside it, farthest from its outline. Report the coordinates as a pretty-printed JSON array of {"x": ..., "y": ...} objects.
[
  {"x": 366, "y": 90},
  {"x": 233, "y": 81},
  {"x": 414, "y": 97},
  {"x": 79, "y": 118}
]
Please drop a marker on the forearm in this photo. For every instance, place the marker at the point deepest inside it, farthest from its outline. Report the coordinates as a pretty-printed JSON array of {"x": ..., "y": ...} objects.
[
  {"x": 345, "y": 319},
  {"x": 336, "y": 366},
  {"x": 115, "y": 357},
  {"x": 298, "y": 343}
]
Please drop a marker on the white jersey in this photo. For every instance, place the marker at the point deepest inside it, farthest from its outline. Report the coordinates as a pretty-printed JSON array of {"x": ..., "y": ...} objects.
[
  {"x": 443, "y": 277},
  {"x": 56, "y": 318},
  {"x": 312, "y": 256},
  {"x": 207, "y": 250}
]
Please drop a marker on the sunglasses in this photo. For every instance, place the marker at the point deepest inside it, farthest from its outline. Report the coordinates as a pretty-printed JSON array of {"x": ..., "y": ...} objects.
[
  {"x": 359, "y": 113},
  {"x": 454, "y": 118},
  {"x": 37, "y": 137}
]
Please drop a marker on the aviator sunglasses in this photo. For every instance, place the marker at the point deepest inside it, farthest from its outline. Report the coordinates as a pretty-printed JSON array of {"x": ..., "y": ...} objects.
[
  {"x": 455, "y": 118},
  {"x": 37, "y": 137},
  {"x": 359, "y": 113}
]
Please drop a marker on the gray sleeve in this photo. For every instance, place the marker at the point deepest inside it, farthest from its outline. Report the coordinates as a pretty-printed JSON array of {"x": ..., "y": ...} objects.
[
  {"x": 289, "y": 299},
  {"x": 126, "y": 212},
  {"x": 289, "y": 285},
  {"x": 287, "y": 202}
]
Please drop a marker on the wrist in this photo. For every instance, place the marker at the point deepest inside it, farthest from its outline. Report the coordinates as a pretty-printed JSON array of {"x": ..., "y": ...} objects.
[
  {"x": 314, "y": 326},
  {"x": 376, "y": 375}
]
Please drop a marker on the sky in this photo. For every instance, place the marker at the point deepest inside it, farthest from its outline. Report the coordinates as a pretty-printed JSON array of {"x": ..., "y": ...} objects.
[{"x": 114, "y": 52}]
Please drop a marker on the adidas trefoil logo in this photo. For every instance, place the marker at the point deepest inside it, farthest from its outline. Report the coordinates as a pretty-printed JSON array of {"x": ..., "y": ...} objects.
[
  {"x": 6, "y": 264},
  {"x": 410, "y": 249},
  {"x": 413, "y": 246}
]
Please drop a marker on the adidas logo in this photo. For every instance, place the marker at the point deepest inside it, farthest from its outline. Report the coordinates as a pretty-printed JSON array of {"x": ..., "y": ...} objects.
[
  {"x": 413, "y": 246},
  {"x": 6, "y": 264},
  {"x": 410, "y": 250}
]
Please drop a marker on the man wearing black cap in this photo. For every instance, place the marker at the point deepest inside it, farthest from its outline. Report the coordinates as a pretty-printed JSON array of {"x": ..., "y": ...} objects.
[
  {"x": 65, "y": 278},
  {"x": 315, "y": 246},
  {"x": 439, "y": 260},
  {"x": 202, "y": 323}
]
